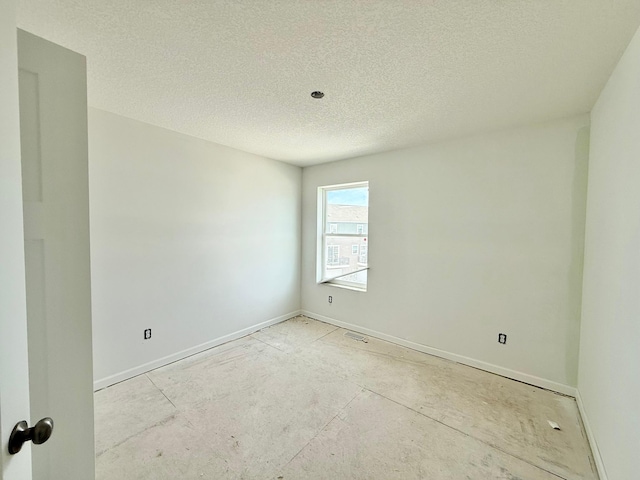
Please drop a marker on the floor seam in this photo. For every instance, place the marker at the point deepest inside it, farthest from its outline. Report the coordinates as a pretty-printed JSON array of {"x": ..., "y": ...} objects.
[
  {"x": 301, "y": 355},
  {"x": 323, "y": 428},
  {"x": 267, "y": 344},
  {"x": 161, "y": 422},
  {"x": 159, "y": 389},
  {"x": 328, "y": 333},
  {"x": 467, "y": 434}
]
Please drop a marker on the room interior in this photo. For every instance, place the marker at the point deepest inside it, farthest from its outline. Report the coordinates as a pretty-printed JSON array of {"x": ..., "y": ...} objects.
[{"x": 499, "y": 142}]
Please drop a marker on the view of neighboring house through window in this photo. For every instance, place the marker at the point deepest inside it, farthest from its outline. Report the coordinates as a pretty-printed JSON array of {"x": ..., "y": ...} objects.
[
  {"x": 362, "y": 258},
  {"x": 333, "y": 255},
  {"x": 343, "y": 244}
]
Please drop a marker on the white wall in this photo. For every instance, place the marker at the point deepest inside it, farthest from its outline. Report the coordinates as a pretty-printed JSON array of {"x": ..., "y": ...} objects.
[
  {"x": 609, "y": 380},
  {"x": 191, "y": 239},
  {"x": 470, "y": 238}
]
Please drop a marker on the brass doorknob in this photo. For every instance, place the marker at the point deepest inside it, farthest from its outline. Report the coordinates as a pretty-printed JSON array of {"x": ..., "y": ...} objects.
[{"x": 21, "y": 433}]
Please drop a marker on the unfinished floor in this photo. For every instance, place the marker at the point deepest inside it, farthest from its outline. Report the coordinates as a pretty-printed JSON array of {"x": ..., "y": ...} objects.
[{"x": 300, "y": 400}]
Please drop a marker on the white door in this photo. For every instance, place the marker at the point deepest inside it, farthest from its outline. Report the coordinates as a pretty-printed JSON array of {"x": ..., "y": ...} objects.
[
  {"x": 53, "y": 131},
  {"x": 14, "y": 373},
  {"x": 53, "y": 138}
]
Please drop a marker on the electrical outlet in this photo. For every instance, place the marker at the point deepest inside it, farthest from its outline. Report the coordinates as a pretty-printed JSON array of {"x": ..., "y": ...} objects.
[
  {"x": 147, "y": 334},
  {"x": 330, "y": 299},
  {"x": 502, "y": 338}
]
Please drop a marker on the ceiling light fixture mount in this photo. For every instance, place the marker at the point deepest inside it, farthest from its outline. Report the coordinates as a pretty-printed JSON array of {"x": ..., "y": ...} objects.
[{"x": 317, "y": 94}]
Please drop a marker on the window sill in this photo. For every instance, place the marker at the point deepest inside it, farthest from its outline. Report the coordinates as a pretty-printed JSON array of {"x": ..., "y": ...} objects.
[{"x": 346, "y": 287}]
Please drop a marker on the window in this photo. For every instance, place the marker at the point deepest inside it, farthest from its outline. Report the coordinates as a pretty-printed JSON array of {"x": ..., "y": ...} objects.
[{"x": 343, "y": 221}]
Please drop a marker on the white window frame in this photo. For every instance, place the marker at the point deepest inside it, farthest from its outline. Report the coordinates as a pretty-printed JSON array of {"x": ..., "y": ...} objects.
[
  {"x": 322, "y": 250},
  {"x": 355, "y": 249}
]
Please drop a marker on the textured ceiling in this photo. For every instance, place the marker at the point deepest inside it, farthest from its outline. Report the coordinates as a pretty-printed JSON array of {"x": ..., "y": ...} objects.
[{"x": 394, "y": 73}]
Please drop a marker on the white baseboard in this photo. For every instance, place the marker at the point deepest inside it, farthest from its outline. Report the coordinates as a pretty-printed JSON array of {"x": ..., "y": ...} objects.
[
  {"x": 161, "y": 362},
  {"x": 595, "y": 451},
  {"x": 489, "y": 367}
]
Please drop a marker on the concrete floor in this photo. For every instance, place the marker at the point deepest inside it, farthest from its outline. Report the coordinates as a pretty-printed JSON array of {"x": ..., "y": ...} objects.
[{"x": 299, "y": 400}]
